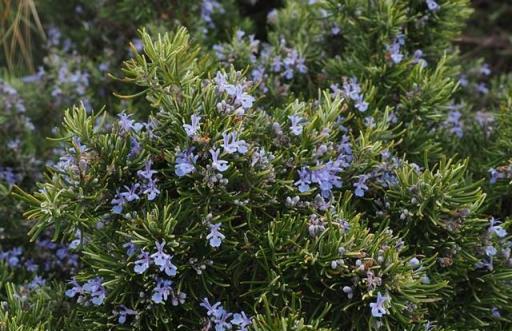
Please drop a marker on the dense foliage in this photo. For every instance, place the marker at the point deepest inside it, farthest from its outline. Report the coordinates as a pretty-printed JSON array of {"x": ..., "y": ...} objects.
[{"x": 224, "y": 165}]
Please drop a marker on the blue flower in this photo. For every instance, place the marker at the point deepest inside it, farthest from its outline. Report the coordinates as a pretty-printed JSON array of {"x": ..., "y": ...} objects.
[
  {"x": 378, "y": 309},
  {"x": 494, "y": 175},
  {"x": 352, "y": 90},
  {"x": 123, "y": 313},
  {"x": 191, "y": 129},
  {"x": 76, "y": 289},
  {"x": 414, "y": 263},
  {"x": 304, "y": 180},
  {"x": 485, "y": 69},
  {"x": 360, "y": 186},
  {"x": 130, "y": 248},
  {"x": 142, "y": 264},
  {"x": 147, "y": 173},
  {"x": 432, "y": 5},
  {"x": 150, "y": 189},
  {"x": 241, "y": 98},
  {"x": 490, "y": 250},
  {"x": 215, "y": 236},
  {"x": 134, "y": 147},
  {"x": 161, "y": 291},
  {"x": 211, "y": 311},
  {"x": 296, "y": 126},
  {"x": 241, "y": 320},
  {"x": 131, "y": 193},
  {"x": 185, "y": 163},
  {"x": 482, "y": 88},
  {"x": 126, "y": 123},
  {"x": 232, "y": 145},
  {"x": 394, "y": 48},
  {"x": 217, "y": 164},
  {"x": 418, "y": 58},
  {"x": 93, "y": 288},
  {"x": 208, "y": 7},
  {"x": 36, "y": 282},
  {"x": 497, "y": 229},
  {"x": 453, "y": 122},
  {"x": 217, "y": 315},
  {"x": 118, "y": 203},
  {"x": 163, "y": 260}
]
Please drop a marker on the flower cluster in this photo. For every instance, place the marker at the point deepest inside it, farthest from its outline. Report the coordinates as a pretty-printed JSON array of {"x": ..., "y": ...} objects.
[
  {"x": 91, "y": 291},
  {"x": 223, "y": 320}
]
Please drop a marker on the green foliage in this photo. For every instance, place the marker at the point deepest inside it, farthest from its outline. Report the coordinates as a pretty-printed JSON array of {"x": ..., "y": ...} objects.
[{"x": 332, "y": 176}]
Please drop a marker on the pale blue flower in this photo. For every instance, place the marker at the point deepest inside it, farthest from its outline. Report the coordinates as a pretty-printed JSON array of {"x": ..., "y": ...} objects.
[
  {"x": 218, "y": 164},
  {"x": 123, "y": 313},
  {"x": 378, "y": 308},
  {"x": 161, "y": 291},
  {"x": 185, "y": 163},
  {"x": 296, "y": 127},
  {"x": 432, "y": 5},
  {"x": 496, "y": 228},
  {"x": 215, "y": 237},
  {"x": 142, "y": 264},
  {"x": 232, "y": 145},
  {"x": 164, "y": 260},
  {"x": 193, "y": 128}
]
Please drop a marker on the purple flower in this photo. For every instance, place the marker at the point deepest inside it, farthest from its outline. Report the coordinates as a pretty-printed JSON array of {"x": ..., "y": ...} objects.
[
  {"x": 163, "y": 260},
  {"x": 335, "y": 30},
  {"x": 118, "y": 203},
  {"x": 495, "y": 175},
  {"x": 418, "y": 58},
  {"x": 126, "y": 123},
  {"x": 185, "y": 163},
  {"x": 394, "y": 48},
  {"x": 232, "y": 145},
  {"x": 496, "y": 228},
  {"x": 293, "y": 62},
  {"x": 130, "y": 248},
  {"x": 217, "y": 164},
  {"x": 36, "y": 282},
  {"x": 352, "y": 90},
  {"x": 191, "y": 129},
  {"x": 211, "y": 311},
  {"x": 123, "y": 313},
  {"x": 414, "y": 263},
  {"x": 215, "y": 236},
  {"x": 360, "y": 186},
  {"x": 296, "y": 127},
  {"x": 304, "y": 180},
  {"x": 241, "y": 98},
  {"x": 482, "y": 88},
  {"x": 495, "y": 312},
  {"x": 131, "y": 193},
  {"x": 179, "y": 298},
  {"x": 454, "y": 124},
  {"x": 208, "y": 7},
  {"x": 485, "y": 69},
  {"x": 217, "y": 315},
  {"x": 142, "y": 264},
  {"x": 326, "y": 176},
  {"x": 161, "y": 291},
  {"x": 76, "y": 289},
  {"x": 92, "y": 287},
  {"x": 150, "y": 189},
  {"x": 378, "y": 309},
  {"x": 432, "y": 5},
  {"x": 134, "y": 147},
  {"x": 147, "y": 173},
  {"x": 241, "y": 320},
  {"x": 490, "y": 250}
]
